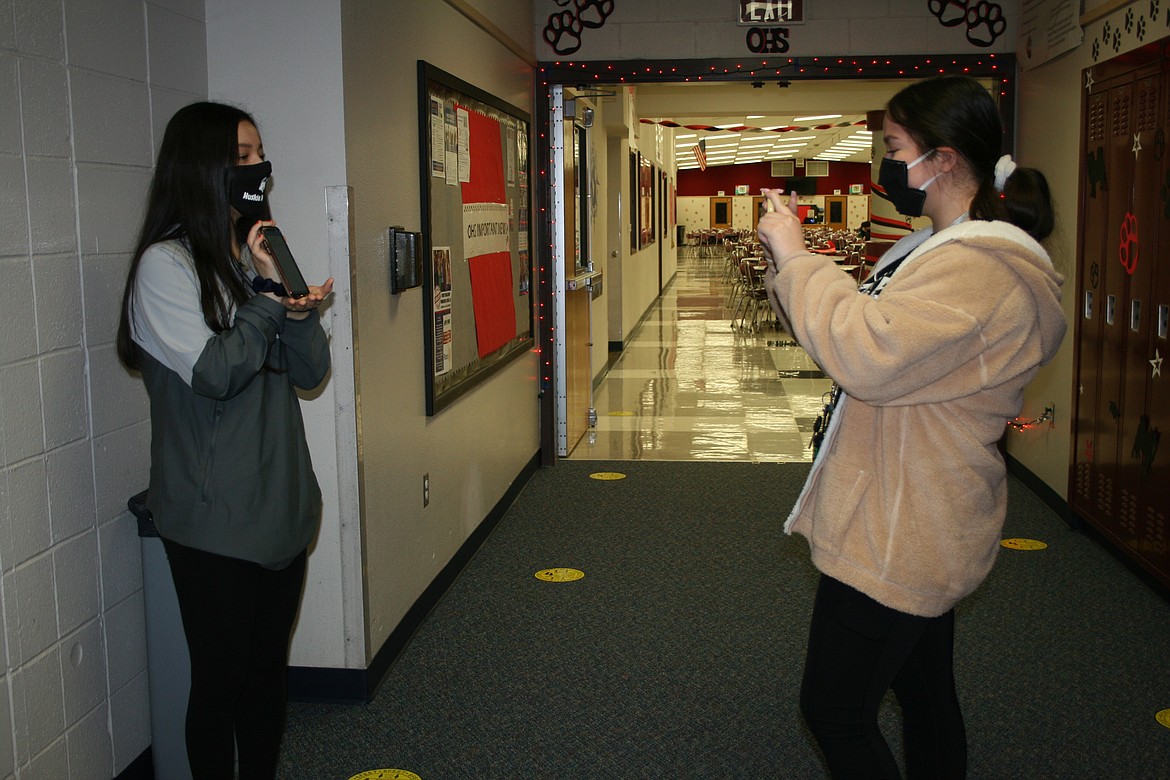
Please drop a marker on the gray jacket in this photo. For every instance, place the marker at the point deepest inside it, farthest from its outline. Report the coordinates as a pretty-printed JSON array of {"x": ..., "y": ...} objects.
[{"x": 230, "y": 469}]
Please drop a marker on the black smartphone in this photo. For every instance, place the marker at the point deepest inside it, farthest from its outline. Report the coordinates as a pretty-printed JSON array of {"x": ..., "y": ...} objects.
[{"x": 286, "y": 266}]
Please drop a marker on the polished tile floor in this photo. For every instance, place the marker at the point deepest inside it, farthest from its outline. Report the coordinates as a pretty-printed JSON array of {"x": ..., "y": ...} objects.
[{"x": 692, "y": 385}]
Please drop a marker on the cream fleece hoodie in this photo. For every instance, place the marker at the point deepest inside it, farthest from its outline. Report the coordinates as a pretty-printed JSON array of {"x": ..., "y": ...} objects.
[{"x": 907, "y": 497}]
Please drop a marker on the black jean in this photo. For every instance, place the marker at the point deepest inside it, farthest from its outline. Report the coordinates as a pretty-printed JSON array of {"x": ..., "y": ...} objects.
[
  {"x": 238, "y": 618},
  {"x": 857, "y": 650}
]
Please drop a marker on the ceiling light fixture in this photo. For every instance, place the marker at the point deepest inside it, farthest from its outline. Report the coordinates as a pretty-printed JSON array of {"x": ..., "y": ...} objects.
[{"x": 812, "y": 118}]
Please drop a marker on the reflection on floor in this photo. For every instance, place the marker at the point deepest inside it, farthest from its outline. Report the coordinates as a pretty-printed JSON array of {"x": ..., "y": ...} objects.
[{"x": 690, "y": 385}]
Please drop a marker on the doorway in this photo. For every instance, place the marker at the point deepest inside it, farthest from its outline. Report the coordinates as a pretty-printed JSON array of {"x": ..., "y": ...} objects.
[
  {"x": 836, "y": 211},
  {"x": 615, "y": 75},
  {"x": 720, "y": 213}
]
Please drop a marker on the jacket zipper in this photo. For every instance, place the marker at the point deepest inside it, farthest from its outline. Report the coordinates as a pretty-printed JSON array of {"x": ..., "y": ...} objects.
[{"x": 205, "y": 493}]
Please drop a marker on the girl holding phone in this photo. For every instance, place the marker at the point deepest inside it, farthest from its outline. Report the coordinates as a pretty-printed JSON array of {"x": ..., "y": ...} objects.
[
  {"x": 907, "y": 495},
  {"x": 222, "y": 351}
]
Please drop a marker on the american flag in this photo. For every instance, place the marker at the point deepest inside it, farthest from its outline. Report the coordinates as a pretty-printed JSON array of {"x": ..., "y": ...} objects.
[{"x": 700, "y": 151}]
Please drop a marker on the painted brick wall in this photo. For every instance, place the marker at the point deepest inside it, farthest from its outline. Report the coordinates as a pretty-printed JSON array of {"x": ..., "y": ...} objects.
[{"x": 85, "y": 90}]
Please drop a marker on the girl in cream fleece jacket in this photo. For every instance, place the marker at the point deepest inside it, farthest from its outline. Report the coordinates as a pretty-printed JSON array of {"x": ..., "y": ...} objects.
[{"x": 906, "y": 500}]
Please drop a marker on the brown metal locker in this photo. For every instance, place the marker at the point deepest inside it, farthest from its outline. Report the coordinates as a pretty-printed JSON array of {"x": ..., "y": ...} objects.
[{"x": 1119, "y": 479}]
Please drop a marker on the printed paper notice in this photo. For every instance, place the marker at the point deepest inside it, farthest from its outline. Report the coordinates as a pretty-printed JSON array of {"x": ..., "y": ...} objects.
[
  {"x": 438, "y": 139},
  {"x": 464, "y": 146},
  {"x": 451, "y": 145},
  {"x": 441, "y": 307},
  {"x": 510, "y": 155}
]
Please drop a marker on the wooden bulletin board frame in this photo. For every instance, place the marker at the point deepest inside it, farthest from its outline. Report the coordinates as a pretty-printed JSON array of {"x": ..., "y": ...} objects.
[{"x": 477, "y": 234}]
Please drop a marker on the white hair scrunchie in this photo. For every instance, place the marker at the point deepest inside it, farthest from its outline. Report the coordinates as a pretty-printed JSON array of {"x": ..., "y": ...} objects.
[{"x": 1003, "y": 169}]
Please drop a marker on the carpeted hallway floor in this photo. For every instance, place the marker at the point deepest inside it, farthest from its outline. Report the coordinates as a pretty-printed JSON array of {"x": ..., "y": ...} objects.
[{"x": 678, "y": 655}]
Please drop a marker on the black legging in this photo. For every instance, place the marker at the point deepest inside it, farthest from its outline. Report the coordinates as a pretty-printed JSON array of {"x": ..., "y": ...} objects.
[
  {"x": 857, "y": 650},
  {"x": 238, "y": 619}
]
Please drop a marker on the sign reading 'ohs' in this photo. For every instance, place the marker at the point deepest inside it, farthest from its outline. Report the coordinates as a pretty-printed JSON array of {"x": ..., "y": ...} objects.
[{"x": 767, "y": 40}]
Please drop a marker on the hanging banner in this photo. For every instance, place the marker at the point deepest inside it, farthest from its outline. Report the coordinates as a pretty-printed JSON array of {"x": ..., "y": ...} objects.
[{"x": 1048, "y": 28}]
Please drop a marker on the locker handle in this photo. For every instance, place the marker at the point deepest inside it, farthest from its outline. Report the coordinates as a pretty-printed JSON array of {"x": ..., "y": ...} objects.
[{"x": 1135, "y": 315}]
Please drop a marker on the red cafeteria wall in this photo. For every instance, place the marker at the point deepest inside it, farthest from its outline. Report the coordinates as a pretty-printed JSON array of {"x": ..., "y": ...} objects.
[{"x": 759, "y": 175}]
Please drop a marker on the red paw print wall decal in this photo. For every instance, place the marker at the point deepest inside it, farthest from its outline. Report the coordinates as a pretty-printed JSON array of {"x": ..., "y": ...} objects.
[{"x": 1127, "y": 252}]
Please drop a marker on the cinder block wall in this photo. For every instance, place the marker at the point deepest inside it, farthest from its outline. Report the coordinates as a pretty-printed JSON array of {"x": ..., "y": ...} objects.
[{"x": 85, "y": 90}]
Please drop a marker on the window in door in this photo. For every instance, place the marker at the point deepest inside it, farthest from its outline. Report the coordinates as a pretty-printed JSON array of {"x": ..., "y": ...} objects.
[{"x": 720, "y": 212}]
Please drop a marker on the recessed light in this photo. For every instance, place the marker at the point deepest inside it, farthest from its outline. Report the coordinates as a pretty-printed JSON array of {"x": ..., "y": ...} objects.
[{"x": 811, "y": 118}]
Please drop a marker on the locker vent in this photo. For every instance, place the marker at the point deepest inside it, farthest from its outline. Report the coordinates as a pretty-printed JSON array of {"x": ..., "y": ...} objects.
[
  {"x": 1104, "y": 494},
  {"x": 1096, "y": 120},
  {"x": 1147, "y": 108},
  {"x": 1084, "y": 482},
  {"x": 1121, "y": 113},
  {"x": 1156, "y": 530},
  {"x": 1127, "y": 514}
]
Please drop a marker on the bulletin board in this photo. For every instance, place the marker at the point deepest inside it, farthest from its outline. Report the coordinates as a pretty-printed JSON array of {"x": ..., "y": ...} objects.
[
  {"x": 646, "y": 221},
  {"x": 476, "y": 235}
]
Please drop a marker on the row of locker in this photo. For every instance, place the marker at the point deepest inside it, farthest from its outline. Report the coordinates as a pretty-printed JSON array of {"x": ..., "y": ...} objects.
[{"x": 1120, "y": 481}]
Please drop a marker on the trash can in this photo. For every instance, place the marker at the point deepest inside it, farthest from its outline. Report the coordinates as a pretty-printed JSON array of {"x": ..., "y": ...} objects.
[{"x": 168, "y": 664}]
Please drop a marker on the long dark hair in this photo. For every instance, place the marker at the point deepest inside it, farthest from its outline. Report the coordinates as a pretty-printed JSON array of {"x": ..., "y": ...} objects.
[
  {"x": 189, "y": 201},
  {"x": 958, "y": 112}
]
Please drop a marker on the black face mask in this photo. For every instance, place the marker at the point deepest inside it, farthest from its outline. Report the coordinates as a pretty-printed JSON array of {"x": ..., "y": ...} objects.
[
  {"x": 894, "y": 178},
  {"x": 246, "y": 185}
]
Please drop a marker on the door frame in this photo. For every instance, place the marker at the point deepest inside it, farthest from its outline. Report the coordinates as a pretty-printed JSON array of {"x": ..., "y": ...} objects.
[
  {"x": 715, "y": 202},
  {"x": 843, "y": 201},
  {"x": 602, "y": 74}
]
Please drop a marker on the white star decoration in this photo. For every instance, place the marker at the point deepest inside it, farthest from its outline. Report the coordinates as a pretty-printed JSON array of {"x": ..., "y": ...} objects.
[
  {"x": 1157, "y": 363},
  {"x": 1088, "y": 80},
  {"x": 1137, "y": 144}
]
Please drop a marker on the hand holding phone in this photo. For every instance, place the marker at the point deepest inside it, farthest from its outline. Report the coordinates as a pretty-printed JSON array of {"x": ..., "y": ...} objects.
[{"x": 286, "y": 266}]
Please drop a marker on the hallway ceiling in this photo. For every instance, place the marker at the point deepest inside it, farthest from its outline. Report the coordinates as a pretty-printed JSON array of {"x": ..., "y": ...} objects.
[
  {"x": 828, "y": 117},
  {"x": 836, "y": 137}
]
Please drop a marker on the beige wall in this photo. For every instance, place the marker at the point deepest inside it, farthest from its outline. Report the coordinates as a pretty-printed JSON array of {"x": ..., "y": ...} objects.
[
  {"x": 334, "y": 88},
  {"x": 476, "y": 447},
  {"x": 640, "y": 268},
  {"x": 632, "y": 283}
]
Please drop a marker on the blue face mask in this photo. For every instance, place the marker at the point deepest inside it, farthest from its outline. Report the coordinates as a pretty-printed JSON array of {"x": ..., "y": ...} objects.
[{"x": 894, "y": 178}]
